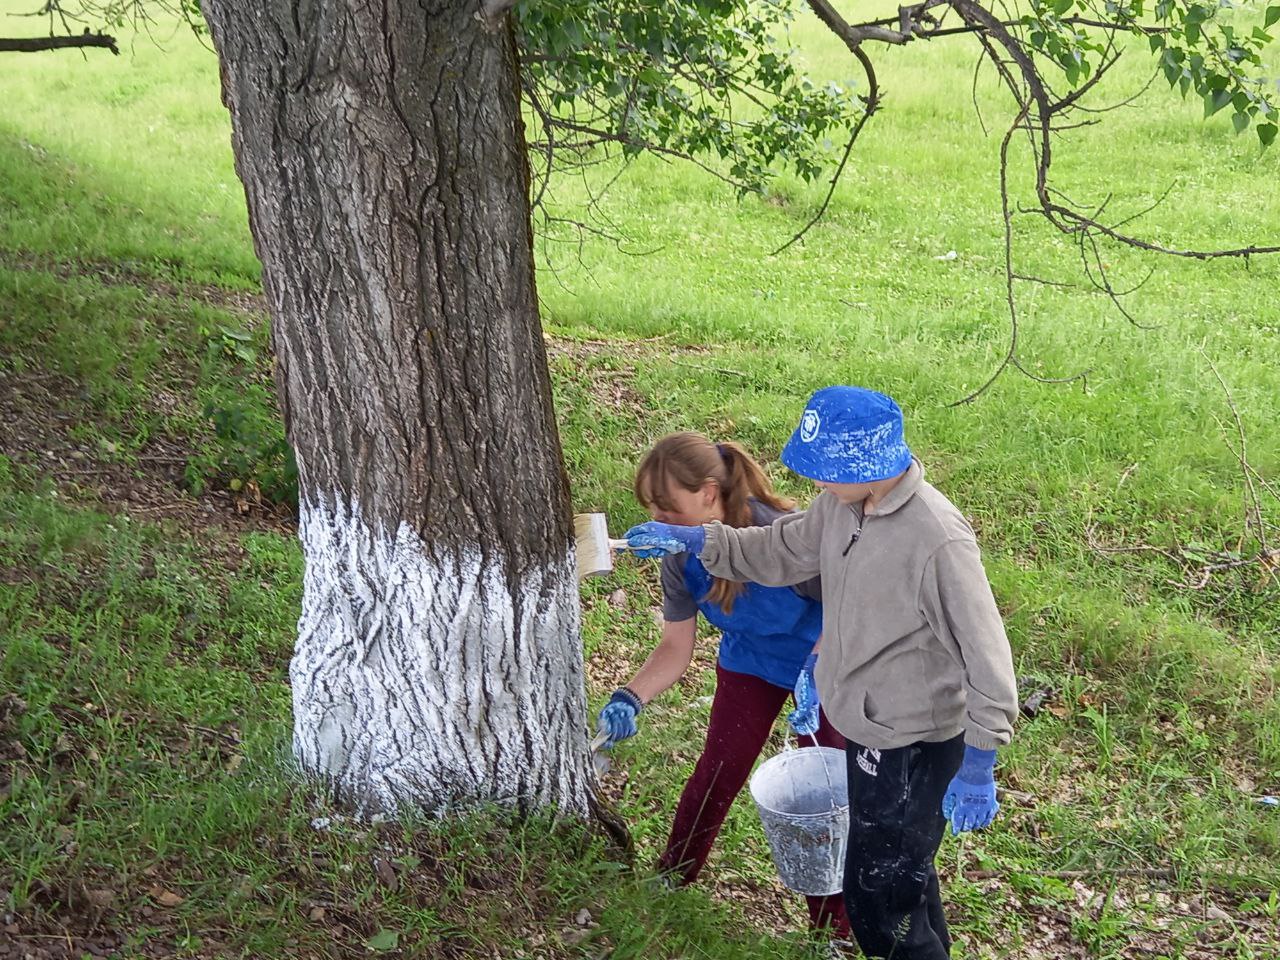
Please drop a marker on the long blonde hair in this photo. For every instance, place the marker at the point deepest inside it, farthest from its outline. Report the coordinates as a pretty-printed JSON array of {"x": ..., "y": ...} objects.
[{"x": 689, "y": 460}]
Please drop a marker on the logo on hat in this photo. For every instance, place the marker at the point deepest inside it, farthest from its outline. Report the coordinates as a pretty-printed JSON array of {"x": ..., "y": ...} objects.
[{"x": 809, "y": 425}]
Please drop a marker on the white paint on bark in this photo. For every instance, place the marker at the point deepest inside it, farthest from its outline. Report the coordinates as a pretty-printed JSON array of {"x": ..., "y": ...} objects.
[{"x": 425, "y": 676}]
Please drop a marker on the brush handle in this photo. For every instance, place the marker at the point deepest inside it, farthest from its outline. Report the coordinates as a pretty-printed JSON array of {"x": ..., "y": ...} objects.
[{"x": 619, "y": 545}]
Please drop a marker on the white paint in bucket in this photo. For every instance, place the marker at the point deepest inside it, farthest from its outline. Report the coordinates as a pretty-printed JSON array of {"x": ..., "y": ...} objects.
[{"x": 803, "y": 800}]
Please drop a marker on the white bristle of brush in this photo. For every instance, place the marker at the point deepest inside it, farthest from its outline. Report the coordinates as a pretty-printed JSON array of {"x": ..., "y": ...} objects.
[{"x": 592, "y": 544}]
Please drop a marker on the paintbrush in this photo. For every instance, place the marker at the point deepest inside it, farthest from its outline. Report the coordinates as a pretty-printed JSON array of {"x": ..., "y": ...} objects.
[
  {"x": 599, "y": 757},
  {"x": 594, "y": 547}
]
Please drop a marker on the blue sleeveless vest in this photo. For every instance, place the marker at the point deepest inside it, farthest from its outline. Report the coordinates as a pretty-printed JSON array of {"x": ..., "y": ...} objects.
[{"x": 770, "y": 631}]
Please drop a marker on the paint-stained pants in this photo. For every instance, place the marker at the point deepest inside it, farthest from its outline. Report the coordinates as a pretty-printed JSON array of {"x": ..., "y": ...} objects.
[
  {"x": 895, "y": 826},
  {"x": 742, "y": 715}
]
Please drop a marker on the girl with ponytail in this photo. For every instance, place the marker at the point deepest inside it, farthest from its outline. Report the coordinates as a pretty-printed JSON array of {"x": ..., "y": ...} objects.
[{"x": 768, "y": 635}]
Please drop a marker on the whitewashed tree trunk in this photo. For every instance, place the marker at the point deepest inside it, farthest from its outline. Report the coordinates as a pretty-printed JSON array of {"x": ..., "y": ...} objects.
[{"x": 382, "y": 152}]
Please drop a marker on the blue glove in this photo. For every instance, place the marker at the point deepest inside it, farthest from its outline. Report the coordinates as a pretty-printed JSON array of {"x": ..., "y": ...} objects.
[
  {"x": 804, "y": 718},
  {"x": 618, "y": 718},
  {"x": 655, "y": 539},
  {"x": 970, "y": 800}
]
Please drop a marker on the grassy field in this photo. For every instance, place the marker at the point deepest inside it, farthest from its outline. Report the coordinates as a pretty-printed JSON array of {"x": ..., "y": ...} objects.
[{"x": 149, "y": 591}]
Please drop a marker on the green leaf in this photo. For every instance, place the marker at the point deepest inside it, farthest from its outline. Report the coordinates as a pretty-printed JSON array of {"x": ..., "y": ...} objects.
[
  {"x": 384, "y": 940},
  {"x": 1239, "y": 121},
  {"x": 1267, "y": 133},
  {"x": 1215, "y": 102},
  {"x": 1272, "y": 15}
]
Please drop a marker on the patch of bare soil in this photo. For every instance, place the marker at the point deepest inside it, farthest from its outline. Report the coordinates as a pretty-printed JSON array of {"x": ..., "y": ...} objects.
[
  {"x": 43, "y": 425},
  {"x": 609, "y": 367}
]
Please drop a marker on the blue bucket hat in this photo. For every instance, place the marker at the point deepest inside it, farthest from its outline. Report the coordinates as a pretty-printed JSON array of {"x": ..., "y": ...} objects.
[{"x": 848, "y": 435}]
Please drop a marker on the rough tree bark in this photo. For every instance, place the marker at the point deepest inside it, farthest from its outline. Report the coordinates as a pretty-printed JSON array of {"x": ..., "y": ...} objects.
[{"x": 382, "y": 152}]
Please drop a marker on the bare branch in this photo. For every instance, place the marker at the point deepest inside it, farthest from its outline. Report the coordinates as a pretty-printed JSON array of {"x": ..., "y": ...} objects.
[
  {"x": 1142, "y": 213},
  {"x": 1103, "y": 283},
  {"x": 1095, "y": 544},
  {"x": 871, "y": 103},
  {"x": 1126, "y": 102},
  {"x": 1008, "y": 263},
  {"x": 927, "y": 27},
  {"x": 974, "y": 93},
  {"x": 1074, "y": 222},
  {"x": 1042, "y": 281},
  {"x": 1103, "y": 69},
  {"x": 1081, "y": 375},
  {"x": 75, "y": 41}
]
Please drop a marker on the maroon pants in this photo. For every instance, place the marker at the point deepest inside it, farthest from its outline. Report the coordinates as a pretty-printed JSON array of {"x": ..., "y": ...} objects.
[{"x": 742, "y": 715}]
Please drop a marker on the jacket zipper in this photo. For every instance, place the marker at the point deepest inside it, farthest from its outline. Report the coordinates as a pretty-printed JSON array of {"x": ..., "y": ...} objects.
[
  {"x": 844, "y": 575},
  {"x": 862, "y": 518}
]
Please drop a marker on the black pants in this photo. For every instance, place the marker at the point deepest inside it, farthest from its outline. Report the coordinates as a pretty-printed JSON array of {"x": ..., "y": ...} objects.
[{"x": 895, "y": 826}]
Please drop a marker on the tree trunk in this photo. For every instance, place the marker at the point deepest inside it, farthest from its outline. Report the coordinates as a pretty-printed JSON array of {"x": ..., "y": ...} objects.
[{"x": 382, "y": 151}]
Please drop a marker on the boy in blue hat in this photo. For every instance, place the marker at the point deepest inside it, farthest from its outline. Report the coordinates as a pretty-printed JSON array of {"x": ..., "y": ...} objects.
[{"x": 915, "y": 668}]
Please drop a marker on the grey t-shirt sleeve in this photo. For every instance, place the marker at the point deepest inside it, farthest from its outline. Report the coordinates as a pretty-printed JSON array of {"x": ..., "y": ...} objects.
[
  {"x": 763, "y": 515},
  {"x": 810, "y": 589},
  {"x": 677, "y": 602}
]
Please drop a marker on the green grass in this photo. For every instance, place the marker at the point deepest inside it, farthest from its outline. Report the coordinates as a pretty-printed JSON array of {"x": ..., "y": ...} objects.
[
  {"x": 148, "y": 760},
  {"x": 152, "y": 661}
]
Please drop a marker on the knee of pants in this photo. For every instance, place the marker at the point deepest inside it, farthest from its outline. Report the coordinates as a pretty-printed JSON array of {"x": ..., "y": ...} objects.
[
  {"x": 886, "y": 886},
  {"x": 721, "y": 775}
]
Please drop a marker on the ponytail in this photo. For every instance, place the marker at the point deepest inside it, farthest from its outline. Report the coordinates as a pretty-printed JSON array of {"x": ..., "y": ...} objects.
[
  {"x": 744, "y": 481},
  {"x": 689, "y": 460}
]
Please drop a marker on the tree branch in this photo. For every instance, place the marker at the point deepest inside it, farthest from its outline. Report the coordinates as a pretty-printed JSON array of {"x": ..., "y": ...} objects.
[
  {"x": 912, "y": 21},
  {"x": 76, "y": 41},
  {"x": 1079, "y": 222},
  {"x": 871, "y": 103}
]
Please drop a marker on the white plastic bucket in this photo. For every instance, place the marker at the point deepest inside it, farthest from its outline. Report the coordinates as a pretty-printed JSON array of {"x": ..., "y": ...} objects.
[{"x": 803, "y": 799}]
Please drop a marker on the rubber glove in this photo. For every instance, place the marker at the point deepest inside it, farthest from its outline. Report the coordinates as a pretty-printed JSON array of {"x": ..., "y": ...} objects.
[
  {"x": 655, "y": 539},
  {"x": 618, "y": 717},
  {"x": 804, "y": 718},
  {"x": 970, "y": 800}
]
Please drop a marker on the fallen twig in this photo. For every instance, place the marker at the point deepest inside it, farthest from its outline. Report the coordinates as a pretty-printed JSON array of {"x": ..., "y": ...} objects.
[{"x": 1159, "y": 873}]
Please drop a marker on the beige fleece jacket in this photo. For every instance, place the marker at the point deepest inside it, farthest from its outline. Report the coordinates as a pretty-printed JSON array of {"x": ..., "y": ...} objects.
[{"x": 913, "y": 647}]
